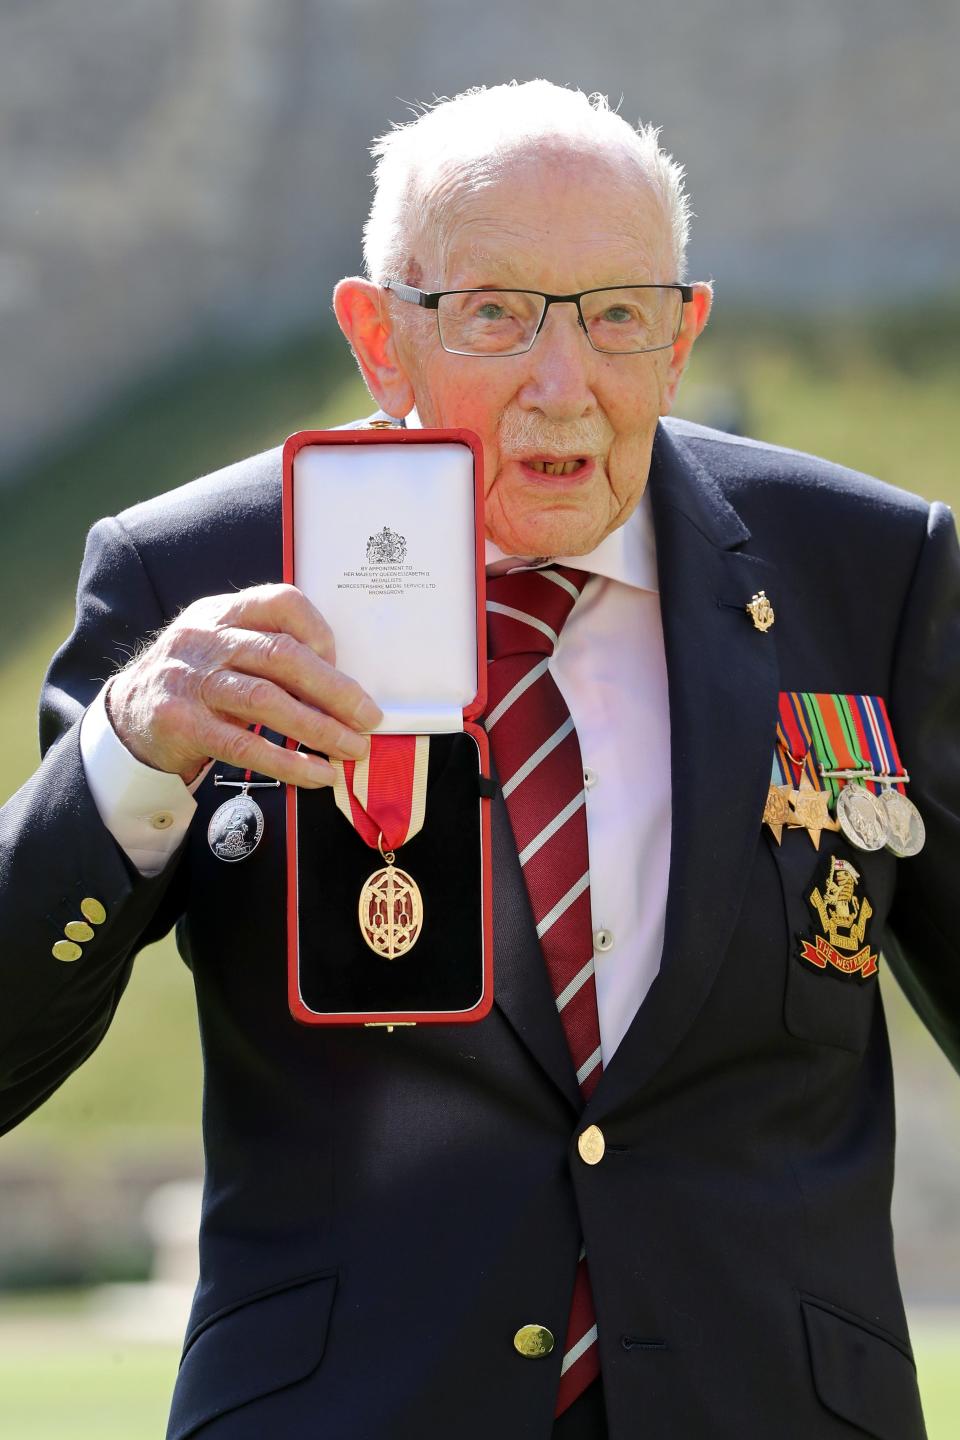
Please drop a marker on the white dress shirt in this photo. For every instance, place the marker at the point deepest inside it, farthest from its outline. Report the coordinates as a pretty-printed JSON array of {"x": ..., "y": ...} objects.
[{"x": 611, "y": 669}]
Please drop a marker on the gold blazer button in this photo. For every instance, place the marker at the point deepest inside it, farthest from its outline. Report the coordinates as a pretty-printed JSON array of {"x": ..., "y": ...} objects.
[
  {"x": 533, "y": 1341},
  {"x": 66, "y": 950},
  {"x": 78, "y": 930},
  {"x": 93, "y": 910},
  {"x": 591, "y": 1145}
]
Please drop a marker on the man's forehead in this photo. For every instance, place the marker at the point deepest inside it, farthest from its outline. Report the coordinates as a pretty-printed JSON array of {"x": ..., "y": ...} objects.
[
  {"x": 572, "y": 210},
  {"x": 525, "y": 253}
]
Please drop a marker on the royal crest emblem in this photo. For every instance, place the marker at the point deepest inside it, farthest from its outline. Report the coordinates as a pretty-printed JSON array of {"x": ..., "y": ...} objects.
[
  {"x": 843, "y": 917},
  {"x": 386, "y": 548}
]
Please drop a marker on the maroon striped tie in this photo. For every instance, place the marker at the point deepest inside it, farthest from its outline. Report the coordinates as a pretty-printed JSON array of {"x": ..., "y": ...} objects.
[{"x": 538, "y": 762}]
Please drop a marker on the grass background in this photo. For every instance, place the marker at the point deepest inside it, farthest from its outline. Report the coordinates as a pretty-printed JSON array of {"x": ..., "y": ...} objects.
[{"x": 879, "y": 396}]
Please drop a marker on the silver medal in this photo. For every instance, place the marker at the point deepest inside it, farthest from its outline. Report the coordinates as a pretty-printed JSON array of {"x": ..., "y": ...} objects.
[
  {"x": 862, "y": 817},
  {"x": 235, "y": 828},
  {"x": 906, "y": 833}
]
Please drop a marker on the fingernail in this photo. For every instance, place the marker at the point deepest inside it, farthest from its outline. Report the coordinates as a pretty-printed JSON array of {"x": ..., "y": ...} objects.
[
  {"x": 356, "y": 745},
  {"x": 322, "y": 773},
  {"x": 368, "y": 714}
]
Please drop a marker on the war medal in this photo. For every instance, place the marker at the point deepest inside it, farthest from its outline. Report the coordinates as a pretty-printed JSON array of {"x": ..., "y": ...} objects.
[
  {"x": 862, "y": 817},
  {"x": 858, "y": 769},
  {"x": 384, "y": 798},
  {"x": 777, "y": 811},
  {"x": 846, "y": 770},
  {"x": 906, "y": 832},
  {"x": 236, "y": 827},
  {"x": 808, "y": 803},
  {"x": 810, "y": 808}
]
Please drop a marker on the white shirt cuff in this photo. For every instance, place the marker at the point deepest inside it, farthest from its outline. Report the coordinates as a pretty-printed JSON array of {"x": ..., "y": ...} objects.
[{"x": 147, "y": 811}]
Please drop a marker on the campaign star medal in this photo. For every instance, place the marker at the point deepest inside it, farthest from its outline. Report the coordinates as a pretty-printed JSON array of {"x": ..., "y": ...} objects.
[
  {"x": 811, "y": 810},
  {"x": 777, "y": 811},
  {"x": 843, "y": 918},
  {"x": 384, "y": 798},
  {"x": 807, "y": 804},
  {"x": 761, "y": 611}
]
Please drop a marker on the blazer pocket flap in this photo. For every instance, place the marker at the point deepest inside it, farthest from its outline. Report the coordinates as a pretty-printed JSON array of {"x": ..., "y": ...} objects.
[
  {"x": 256, "y": 1347},
  {"x": 861, "y": 1374}
]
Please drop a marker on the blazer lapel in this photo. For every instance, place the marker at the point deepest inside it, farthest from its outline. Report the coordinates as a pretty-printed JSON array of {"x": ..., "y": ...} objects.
[{"x": 723, "y": 684}]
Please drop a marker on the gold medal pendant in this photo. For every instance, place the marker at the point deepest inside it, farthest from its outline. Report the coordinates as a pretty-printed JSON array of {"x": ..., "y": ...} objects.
[{"x": 391, "y": 910}]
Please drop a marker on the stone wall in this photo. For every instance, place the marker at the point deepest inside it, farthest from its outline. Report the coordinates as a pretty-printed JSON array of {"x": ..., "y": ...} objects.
[{"x": 190, "y": 169}]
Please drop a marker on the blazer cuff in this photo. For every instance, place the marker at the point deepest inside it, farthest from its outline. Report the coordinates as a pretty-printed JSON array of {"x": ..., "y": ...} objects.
[{"x": 147, "y": 811}]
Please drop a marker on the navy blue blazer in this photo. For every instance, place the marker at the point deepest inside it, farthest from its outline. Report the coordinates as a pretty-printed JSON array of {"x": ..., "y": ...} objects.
[{"x": 383, "y": 1212}]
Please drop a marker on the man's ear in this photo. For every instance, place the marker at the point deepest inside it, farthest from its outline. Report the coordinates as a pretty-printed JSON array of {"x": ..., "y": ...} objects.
[
  {"x": 362, "y": 316},
  {"x": 695, "y": 317}
]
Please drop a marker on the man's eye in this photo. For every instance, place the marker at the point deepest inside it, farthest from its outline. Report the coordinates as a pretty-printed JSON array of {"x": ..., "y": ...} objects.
[
  {"x": 490, "y": 310},
  {"x": 618, "y": 315}
]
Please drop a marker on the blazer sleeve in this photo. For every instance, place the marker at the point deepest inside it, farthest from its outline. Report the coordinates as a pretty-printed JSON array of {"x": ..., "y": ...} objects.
[
  {"x": 55, "y": 852},
  {"x": 923, "y": 939}
]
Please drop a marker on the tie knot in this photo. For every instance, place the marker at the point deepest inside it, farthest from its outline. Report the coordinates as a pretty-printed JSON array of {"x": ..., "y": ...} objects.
[{"x": 527, "y": 610}]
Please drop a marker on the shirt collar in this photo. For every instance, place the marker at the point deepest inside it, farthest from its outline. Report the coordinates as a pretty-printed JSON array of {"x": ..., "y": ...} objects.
[{"x": 627, "y": 554}]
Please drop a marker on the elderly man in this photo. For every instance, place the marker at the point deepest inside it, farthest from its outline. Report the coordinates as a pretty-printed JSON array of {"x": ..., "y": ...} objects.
[{"x": 648, "y": 1198}]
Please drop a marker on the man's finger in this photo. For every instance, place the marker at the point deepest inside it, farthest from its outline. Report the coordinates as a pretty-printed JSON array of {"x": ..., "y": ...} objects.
[
  {"x": 283, "y": 608},
  {"x": 247, "y": 751},
  {"x": 255, "y": 700},
  {"x": 302, "y": 673}
]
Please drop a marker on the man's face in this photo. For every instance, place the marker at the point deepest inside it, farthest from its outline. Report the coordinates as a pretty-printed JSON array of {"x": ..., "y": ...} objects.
[{"x": 560, "y": 224}]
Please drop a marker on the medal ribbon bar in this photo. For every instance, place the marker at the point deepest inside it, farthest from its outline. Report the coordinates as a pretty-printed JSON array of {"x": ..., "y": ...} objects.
[
  {"x": 795, "y": 740},
  {"x": 384, "y": 795}
]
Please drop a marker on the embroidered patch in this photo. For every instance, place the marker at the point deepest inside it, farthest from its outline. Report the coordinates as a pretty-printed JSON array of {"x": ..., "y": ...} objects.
[{"x": 842, "y": 917}]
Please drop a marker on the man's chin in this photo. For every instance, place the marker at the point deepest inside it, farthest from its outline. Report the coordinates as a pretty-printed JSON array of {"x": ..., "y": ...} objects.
[{"x": 563, "y": 534}]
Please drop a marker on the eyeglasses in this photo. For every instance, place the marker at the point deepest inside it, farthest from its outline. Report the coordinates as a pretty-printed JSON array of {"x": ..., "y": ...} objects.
[{"x": 617, "y": 320}]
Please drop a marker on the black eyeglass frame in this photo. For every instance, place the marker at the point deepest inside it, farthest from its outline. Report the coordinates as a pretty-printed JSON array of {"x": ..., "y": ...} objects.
[{"x": 430, "y": 300}]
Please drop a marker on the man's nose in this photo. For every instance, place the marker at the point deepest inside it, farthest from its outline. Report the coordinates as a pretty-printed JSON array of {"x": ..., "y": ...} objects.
[{"x": 561, "y": 367}]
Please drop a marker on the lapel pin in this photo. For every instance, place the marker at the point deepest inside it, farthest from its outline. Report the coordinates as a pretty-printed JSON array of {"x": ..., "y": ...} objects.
[{"x": 761, "y": 611}]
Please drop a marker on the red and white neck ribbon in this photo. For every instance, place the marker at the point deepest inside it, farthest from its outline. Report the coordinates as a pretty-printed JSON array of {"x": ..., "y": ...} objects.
[{"x": 384, "y": 796}]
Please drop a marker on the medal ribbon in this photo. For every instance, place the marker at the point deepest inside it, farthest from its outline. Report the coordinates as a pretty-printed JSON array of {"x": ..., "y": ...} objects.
[
  {"x": 781, "y": 772},
  {"x": 869, "y": 716},
  {"x": 384, "y": 796},
  {"x": 795, "y": 740},
  {"x": 834, "y": 739}
]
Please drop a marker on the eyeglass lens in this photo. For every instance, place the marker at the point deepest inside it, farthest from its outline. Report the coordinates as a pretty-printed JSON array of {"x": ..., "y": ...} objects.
[{"x": 504, "y": 322}]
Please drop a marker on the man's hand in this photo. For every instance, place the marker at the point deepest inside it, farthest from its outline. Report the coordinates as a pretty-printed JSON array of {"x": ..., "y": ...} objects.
[{"x": 264, "y": 655}]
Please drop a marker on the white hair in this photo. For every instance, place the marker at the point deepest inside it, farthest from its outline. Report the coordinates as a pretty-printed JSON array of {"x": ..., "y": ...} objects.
[{"x": 466, "y": 140}]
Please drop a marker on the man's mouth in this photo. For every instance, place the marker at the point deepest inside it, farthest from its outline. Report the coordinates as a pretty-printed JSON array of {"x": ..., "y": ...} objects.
[{"x": 544, "y": 466}]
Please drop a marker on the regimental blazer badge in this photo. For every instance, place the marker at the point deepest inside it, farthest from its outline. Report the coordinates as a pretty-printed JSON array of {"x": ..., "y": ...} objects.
[{"x": 843, "y": 917}]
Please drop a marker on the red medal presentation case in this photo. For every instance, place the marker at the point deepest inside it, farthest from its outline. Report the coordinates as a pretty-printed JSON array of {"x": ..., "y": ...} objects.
[{"x": 383, "y": 531}]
